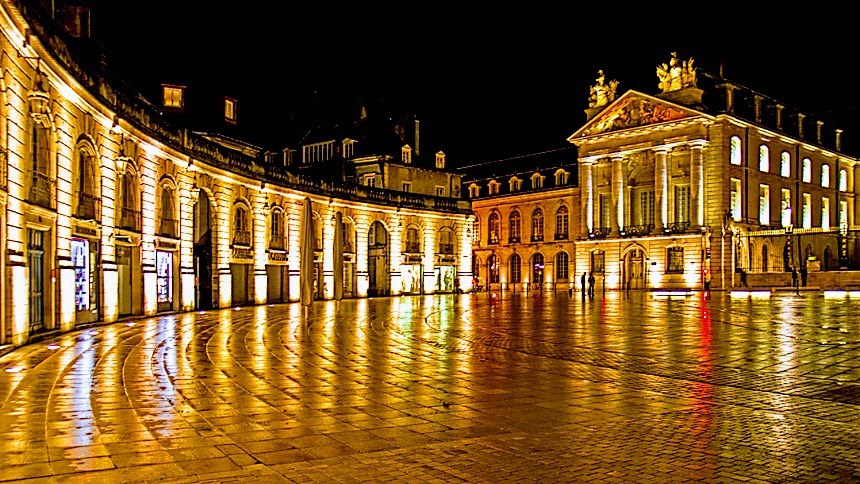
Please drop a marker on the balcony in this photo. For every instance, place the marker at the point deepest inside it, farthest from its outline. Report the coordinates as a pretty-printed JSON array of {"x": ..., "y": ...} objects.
[
  {"x": 446, "y": 249},
  {"x": 636, "y": 230},
  {"x": 42, "y": 190},
  {"x": 129, "y": 219},
  {"x": 537, "y": 238},
  {"x": 242, "y": 238},
  {"x": 514, "y": 239},
  {"x": 677, "y": 227},
  {"x": 561, "y": 236},
  {"x": 168, "y": 227},
  {"x": 600, "y": 233},
  {"x": 87, "y": 207},
  {"x": 412, "y": 248},
  {"x": 277, "y": 242}
]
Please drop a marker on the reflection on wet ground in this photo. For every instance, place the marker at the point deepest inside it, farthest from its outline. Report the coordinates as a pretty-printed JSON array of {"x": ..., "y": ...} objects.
[{"x": 448, "y": 388}]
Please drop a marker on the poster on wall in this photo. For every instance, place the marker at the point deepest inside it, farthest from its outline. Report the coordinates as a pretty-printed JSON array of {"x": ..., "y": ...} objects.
[{"x": 80, "y": 262}]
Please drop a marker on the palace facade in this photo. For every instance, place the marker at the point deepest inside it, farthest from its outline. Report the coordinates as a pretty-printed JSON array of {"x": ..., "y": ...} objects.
[
  {"x": 108, "y": 212},
  {"x": 672, "y": 193}
]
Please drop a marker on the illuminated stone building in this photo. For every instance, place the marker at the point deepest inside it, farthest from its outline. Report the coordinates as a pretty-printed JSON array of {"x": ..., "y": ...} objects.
[
  {"x": 109, "y": 212},
  {"x": 706, "y": 179}
]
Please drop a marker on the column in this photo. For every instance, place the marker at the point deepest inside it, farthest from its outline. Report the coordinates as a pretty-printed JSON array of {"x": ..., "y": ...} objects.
[
  {"x": 294, "y": 216},
  {"x": 328, "y": 222},
  {"x": 261, "y": 234},
  {"x": 149, "y": 189},
  {"x": 429, "y": 261},
  {"x": 188, "y": 194},
  {"x": 464, "y": 242},
  {"x": 395, "y": 222},
  {"x": 221, "y": 243},
  {"x": 661, "y": 189},
  {"x": 617, "y": 194},
  {"x": 362, "y": 281},
  {"x": 697, "y": 186}
]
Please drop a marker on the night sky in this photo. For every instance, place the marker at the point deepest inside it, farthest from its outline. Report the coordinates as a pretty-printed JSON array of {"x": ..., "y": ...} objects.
[{"x": 491, "y": 90}]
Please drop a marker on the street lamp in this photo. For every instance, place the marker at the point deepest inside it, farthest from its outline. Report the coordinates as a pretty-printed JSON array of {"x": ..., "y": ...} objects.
[{"x": 727, "y": 229}]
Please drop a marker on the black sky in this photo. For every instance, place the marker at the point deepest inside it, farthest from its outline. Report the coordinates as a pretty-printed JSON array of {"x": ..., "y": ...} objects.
[{"x": 492, "y": 88}]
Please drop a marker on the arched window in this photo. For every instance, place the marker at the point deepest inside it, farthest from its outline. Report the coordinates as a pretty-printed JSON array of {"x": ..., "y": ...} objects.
[
  {"x": 735, "y": 151},
  {"x": 764, "y": 158},
  {"x": 515, "y": 226},
  {"x": 561, "y": 266},
  {"x": 537, "y": 225},
  {"x": 277, "y": 240},
  {"x": 41, "y": 183},
  {"x": 446, "y": 241},
  {"x": 493, "y": 228},
  {"x": 241, "y": 231},
  {"x": 561, "y": 223},
  {"x": 86, "y": 186},
  {"x": 413, "y": 244},
  {"x": 129, "y": 217},
  {"x": 807, "y": 170},
  {"x": 168, "y": 223},
  {"x": 515, "y": 269},
  {"x": 825, "y": 176},
  {"x": 785, "y": 164},
  {"x": 764, "y": 257},
  {"x": 537, "y": 268},
  {"x": 843, "y": 180},
  {"x": 476, "y": 231},
  {"x": 493, "y": 268}
]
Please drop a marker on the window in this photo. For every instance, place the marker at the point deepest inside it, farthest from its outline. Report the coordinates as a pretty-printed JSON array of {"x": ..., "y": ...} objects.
[
  {"x": 370, "y": 180},
  {"x": 474, "y": 190},
  {"x": 493, "y": 187},
  {"x": 682, "y": 204},
  {"x": 515, "y": 183},
  {"x": 476, "y": 231},
  {"x": 785, "y": 207},
  {"x": 537, "y": 268},
  {"x": 825, "y": 176},
  {"x": 825, "y": 213},
  {"x": 764, "y": 158},
  {"x": 561, "y": 266},
  {"x": 440, "y": 160},
  {"x": 537, "y": 225},
  {"x": 605, "y": 211},
  {"x": 843, "y": 215},
  {"x": 807, "y": 170},
  {"x": 277, "y": 241},
  {"x": 514, "y": 269},
  {"x": 407, "y": 187},
  {"x": 785, "y": 164},
  {"x": 561, "y": 177},
  {"x": 493, "y": 268},
  {"x": 597, "y": 261},
  {"x": 174, "y": 96},
  {"x": 515, "y": 226},
  {"x": 406, "y": 155},
  {"x": 807, "y": 211},
  {"x": 440, "y": 191},
  {"x": 843, "y": 180},
  {"x": 675, "y": 260},
  {"x": 348, "y": 148},
  {"x": 537, "y": 181},
  {"x": 230, "y": 110},
  {"x": 646, "y": 207},
  {"x": 735, "y": 156},
  {"x": 86, "y": 186},
  {"x": 764, "y": 204},
  {"x": 561, "y": 223},
  {"x": 493, "y": 228},
  {"x": 41, "y": 183},
  {"x": 129, "y": 217},
  {"x": 736, "y": 199},
  {"x": 168, "y": 225},
  {"x": 413, "y": 244}
]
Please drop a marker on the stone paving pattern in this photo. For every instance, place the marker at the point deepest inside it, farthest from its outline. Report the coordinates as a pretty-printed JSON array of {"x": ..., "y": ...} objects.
[{"x": 446, "y": 388}]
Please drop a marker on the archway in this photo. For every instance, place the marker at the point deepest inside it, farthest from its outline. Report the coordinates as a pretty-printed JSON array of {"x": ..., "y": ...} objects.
[
  {"x": 203, "y": 252},
  {"x": 634, "y": 269},
  {"x": 378, "y": 253}
]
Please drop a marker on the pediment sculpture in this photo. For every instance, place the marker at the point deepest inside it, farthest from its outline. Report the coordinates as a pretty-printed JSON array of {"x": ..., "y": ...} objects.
[
  {"x": 601, "y": 93},
  {"x": 676, "y": 75}
]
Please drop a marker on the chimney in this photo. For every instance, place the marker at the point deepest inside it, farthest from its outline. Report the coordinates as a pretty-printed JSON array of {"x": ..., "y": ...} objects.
[
  {"x": 417, "y": 145},
  {"x": 838, "y": 140},
  {"x": 779, "y": 108},
  {"x": 800, "y": 117},
  {"x": 758, "y": 109},
  {"x": 818, "y": 134}
]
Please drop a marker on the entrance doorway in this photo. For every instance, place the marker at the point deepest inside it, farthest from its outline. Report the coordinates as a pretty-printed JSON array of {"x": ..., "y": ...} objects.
[
  {"x": 634, "y": 268},
  {"x": 203, "y": 253}
]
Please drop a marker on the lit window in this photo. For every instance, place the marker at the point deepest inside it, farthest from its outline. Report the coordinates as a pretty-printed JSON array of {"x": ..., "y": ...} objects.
[
  {"x": 785, "y": 207},
  {"x": 515, "y": 226},
  {"x": 493, "y": 266},
  {"x": 476, "y": 230},
  {"x": 537, "y": 225},
  {"x": 764, "y": 204},
  {"x": 807, "y": 170},
  {"x": 736, "y": 199},
  {"x": 561, "y": 223},
  {"x": 474, "y": 190},
  {"x": 515, "y": 184},
  {"x": 561, "y": 177},
  {"x": 646, "y": 207},
  {"x": 763, "y": 158},
  {"x": 537, "y": 268},
  {"x": 843, "y": 180},
  {"x": 843, "y": 215},
  {"x": 440, "y": 160},
  {"x": 407, "y": 187},
  {"x": 682, "y": 204},
  {"x": 825, "y": 176},
  {"x": 493, "y": 187},
  {"x": 561, "y": 266},
  {"x": 825, "y": 213},
  {"x": 406, "y": 154},
  {"x": 675, "y": 260},
  {"x": 440, "y": 191},
  {"x": 537, "y": 181},
  {"x": 174, "y": 96},
  {"x": 493, "y": 228},
  {"x": 370, "y": 180},
  {"x": 785, "y": 164},
  {"x": 807, "y": 211},
  {"x": 735, "y": 151},
  {"x": 514, "y": 268},
  {"x": 229, "y": 110}
]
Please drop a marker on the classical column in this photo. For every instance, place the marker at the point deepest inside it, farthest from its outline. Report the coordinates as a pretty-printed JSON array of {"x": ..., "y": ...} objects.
[
  {"x": 697, "y": 186},
  {"x": 661, "y": 188},
  {"x": 588, "y": 198},
  {"x": 464, "y": 239},
  {"x": 223, "y": 221},
  {"x": 261, "y": 217},
  {"x": 430, "y": 234},
  {"x": 328, "y": 222},
  {"x": 395, "y": 222},
  {"x": 362, "y": 280},
  {"x": 294, "y": 218},
  {"x": 617, "y": 194}
]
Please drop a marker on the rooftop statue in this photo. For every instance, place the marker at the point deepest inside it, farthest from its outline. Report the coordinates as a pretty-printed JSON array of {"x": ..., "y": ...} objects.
[
  {"x": 602, "y": 94},
  {"x": 677, "y": 75}
]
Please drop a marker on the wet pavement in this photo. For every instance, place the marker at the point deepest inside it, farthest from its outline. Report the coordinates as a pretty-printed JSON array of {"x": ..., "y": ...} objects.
[{"x": 448, "y": 388}]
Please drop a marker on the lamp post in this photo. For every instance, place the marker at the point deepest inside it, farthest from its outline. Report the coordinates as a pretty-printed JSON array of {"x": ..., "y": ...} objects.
[{"x": 726, "y": 230}]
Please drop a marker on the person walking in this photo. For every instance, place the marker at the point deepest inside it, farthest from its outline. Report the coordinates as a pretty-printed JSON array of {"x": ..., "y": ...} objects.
[
  {"x": 794, "y": 280},
  {"x": 707, "y": 283},
  {"x": 743, "y": 277},
  {"x": 582, "y": 282},
  {"x": 591, "y": 285},
  {"x": 803, "y": 275}
]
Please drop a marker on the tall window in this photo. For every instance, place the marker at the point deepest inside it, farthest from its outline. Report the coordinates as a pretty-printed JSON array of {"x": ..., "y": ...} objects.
[
  {"x": 764, "y": 204},
  {"x": 277, "y": 240},
  {"x": 682, "y": 204},
  {"x": 843, "y": 215},
  {"x": 736, "y": 199},
  {"x": 825, "y": 213},
  {"x": 807, "y": 211},
  {"x": 230, "y": 110},
  {"x": 493, "y": 228},
  {"x": 605, "y": 211},
  {"x": 763, "y": 158},
  {"x": 515, "y": 269},
  {"x": 561, "y": 266},
  {"x": 41, "y": 183},
  {"x": 515, "y": 226},
  {"x": 825, "y": 176},
  {"x": 675, "y": 260},
  {"x": 476, "y": 231},
  {"x": 561, "y": 223},
  {"x": 86, "y": 187},
  {"x": 785, "y": 207},
  {"x": 646, "y": 207},
  {"x": 493, "y": 268},
  {"x": 413, "y": 245},
  {"x": 168, "y": 225},
  {"x": 843, "y": 180},
  {"x": 807, "y": 170},
  {"x": 537, "y": 225},
  {"x": 129, "y": 217},
  {"x": 241, "y": 234},
  {"x": 537, "y": 268},
  {"x": 598, "y": 261},
  {"x": 785, "y": 164},
  {"x": 735, "y": 155}
]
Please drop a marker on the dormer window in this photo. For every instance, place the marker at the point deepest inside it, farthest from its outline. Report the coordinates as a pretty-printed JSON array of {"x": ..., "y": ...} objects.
[
  {"x": 516, "y": 184},
  {"x": 230, "y": 110},
  {"x": 348, "y": 148},
  {"x": 440, "y": 160},
  {"x": 174, "y": 97},
  {"x": 493, "y": 187},
  {"x": 406, "y": 155},
  {"x": 561, "y": 177},
  {"x": 537, "y": 180},
  {"x": 474, "y": 190}
]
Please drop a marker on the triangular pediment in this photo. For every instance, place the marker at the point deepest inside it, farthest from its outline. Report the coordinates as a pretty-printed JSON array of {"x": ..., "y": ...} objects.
[{"x": 633, "y": 110}]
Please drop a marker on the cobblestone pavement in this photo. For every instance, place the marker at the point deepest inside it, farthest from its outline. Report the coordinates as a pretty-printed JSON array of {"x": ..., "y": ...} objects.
[{"x": 448, "y": 388}]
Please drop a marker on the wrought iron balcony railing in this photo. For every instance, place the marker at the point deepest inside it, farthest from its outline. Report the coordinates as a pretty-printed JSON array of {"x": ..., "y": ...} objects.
[
  {"x": 561, "y": 236},
  {"x": 446, "y": 248},
  {"x": 678, "y": 227},
  {"x": 242, "y": 238},
  {"x": 168, "y": 227},
  {"x": 413, "y": 247},
  {"x": 600, "y": 233},
  {"x": 537, "y": 238},
  {"x": 129, "y": 219},
  {"x": 87, "y": 207},
  {"x": 514, "y": 239},
  {"x": 636, "y": 230},
  {"x": 42, "y": 190},
  {"x": 277, "y": 242}
]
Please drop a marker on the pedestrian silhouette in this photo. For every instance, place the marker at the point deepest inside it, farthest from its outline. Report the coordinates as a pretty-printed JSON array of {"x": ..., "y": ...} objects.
[
  {"x": 803, "y": 275},
  {"x": 591, "y": 285},
  {"x": 794, "y": 279},
  {"x": 582, "y": 282},
  {"x": 743, "y": 277}
]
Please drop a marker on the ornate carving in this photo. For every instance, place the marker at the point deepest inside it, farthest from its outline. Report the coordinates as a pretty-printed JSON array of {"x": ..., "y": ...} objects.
[
  {"x": 677, "y": 75},
  {"x": 638, "y": 112},
  {"x": 602, "y": 94}
]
